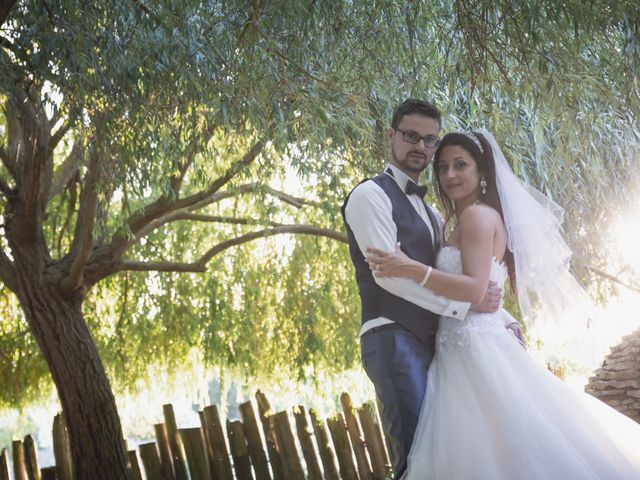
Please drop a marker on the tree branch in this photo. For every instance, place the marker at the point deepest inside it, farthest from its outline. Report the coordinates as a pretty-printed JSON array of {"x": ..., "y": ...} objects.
[
  {"x": 297, "y": 229},
  {"x": 133, "y": 266},
  {"x": 176, "y": 180},
  {"x": 220, "y": 182},
  {"x": 82, "y": 244},
  {"x": 200, "y": 265},
  {"x": 613, "y": 279},
  {"x": 248, "y": 158},
  {"x": 142, "y": 218},
  {"x": 297, "y": 202},
  {"x": 61, "y": 132},
  {"x": 68, "y": 169},
  {"x": 35, "y": 163},
  {"x": 10, "y": 155},
  {"x": 186, "y": 214},
  {"x": 29, "y": 112},
  {"x": 216, "y": 219},
  {"x": 7, "y": 5}
]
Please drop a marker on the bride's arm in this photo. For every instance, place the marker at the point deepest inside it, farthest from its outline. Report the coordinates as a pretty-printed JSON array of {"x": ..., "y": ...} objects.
[{"x": 478, "y": 227}]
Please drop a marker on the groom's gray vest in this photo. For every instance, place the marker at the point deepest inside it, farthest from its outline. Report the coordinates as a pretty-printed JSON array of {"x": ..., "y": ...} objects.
[{"x": 416, "y": 242}]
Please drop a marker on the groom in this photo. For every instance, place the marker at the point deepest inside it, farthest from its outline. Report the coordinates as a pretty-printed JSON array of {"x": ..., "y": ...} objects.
[{"x": 400, "y": 317}]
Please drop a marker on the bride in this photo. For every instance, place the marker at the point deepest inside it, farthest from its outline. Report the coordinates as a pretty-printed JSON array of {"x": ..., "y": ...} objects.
[{"x": 490, "y": 411}]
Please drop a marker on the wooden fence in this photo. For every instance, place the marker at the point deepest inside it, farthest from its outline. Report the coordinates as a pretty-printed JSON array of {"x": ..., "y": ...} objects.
[{"x": 262, "y": 446}]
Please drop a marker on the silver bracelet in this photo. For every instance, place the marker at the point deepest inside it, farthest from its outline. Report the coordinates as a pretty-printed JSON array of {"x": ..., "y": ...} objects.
[{"x": 426, "y": 276}]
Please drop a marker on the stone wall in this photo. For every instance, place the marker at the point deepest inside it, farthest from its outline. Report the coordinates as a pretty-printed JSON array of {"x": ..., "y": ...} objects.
[{"x": 617, "y": 381}]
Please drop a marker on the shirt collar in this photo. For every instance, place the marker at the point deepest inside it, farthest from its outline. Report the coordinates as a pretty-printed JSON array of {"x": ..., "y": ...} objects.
[{"x": 399, "y": 176}]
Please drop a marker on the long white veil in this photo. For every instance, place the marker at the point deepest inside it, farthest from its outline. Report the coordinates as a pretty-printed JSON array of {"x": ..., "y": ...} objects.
[{"x": 547, "y": 291}]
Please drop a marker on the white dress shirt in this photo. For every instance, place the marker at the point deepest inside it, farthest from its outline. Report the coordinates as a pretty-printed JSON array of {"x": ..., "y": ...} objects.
[{"x": 369, "y": 215}]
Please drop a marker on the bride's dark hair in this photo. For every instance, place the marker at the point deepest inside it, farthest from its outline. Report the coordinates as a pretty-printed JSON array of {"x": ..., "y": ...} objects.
[{"x": 487, "y": 168}]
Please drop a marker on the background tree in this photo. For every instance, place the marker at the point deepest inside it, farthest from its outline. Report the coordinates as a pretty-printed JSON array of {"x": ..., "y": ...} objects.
[{"x": 142, "y": 140}]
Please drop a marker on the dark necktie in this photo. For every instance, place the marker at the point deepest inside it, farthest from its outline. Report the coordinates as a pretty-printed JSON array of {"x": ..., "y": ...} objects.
[{"x": 415, "y": 189}]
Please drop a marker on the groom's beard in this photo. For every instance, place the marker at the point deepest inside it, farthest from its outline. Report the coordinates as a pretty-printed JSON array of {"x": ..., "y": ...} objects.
[{"x": 413, "y": 161}]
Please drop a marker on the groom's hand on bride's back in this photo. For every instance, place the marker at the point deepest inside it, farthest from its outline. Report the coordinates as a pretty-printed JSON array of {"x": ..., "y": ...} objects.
[{"x": 491, "y": 301}]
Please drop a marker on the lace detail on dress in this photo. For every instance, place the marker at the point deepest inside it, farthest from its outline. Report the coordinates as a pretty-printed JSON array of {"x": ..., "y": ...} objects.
[{"x": 455, "y": 333}]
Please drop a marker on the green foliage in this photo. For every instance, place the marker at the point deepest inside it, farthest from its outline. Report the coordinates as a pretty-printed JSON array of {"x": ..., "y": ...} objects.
[
  {"x": 153, "y": 87},
  {"x": 24, "y": 373}
]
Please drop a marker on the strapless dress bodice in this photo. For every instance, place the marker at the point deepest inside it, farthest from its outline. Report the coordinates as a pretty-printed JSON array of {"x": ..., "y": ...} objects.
[{"x": 457, "y": 332}]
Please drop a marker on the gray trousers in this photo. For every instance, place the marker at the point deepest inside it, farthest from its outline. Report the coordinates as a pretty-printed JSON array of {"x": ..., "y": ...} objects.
[{"x": 397, "y": 364}]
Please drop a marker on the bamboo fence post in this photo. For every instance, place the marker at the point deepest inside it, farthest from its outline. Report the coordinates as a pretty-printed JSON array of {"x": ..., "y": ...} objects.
[
  {"x": 254, "y": 441},
  {"x": 357, "y": 438},
  {"x": 134, "y": 465},
  {"x": 196, "y": 450},
  {"x": 273, "y": 450},
  {"x": 375, "y": 444},
  {"x": 220, "y": 463},
  {"x": 19, "y": 466},
  {"x": 48, "y": 473},
  {"x": 4, "y": 465},
  {"x": 207, "y": 444},
  {"x": 327, "y": 455},
  {"x": 338, "y": 430},
  {"x": 151, "y": 461},
  {"x": 31, "y": 459},
  {"x": 306, "y": 443},
  {"x": 378, "y": 409},
  {"x": 239, "y": 450},
  {"x": 164, "y": 449},
  {"x": 175, "y": 442},
  {"x": 286, "y": 440},
  {"x": 62, "y": 449}
]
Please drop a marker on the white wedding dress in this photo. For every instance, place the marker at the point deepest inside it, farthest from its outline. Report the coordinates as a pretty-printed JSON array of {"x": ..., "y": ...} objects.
[{"x": 492, "y": 413}]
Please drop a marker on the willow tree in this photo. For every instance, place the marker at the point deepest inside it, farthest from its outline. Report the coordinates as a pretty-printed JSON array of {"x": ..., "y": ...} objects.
[
  {"x": 118, "y": 120},
  {"x": 144, "y": 137}
]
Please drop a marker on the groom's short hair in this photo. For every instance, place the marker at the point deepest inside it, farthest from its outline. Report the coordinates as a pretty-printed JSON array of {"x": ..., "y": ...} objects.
[{"x": 413, "y": 105}]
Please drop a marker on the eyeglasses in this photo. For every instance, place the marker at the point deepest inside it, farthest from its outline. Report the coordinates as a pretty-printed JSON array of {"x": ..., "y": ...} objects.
[{"x": 413, "y": 138}]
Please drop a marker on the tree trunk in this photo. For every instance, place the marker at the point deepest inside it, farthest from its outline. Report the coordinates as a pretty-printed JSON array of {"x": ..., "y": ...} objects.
[{"x": 88, "y": 404}]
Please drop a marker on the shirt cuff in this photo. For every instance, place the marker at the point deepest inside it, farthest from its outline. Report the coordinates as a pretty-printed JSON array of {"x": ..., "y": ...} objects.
[{"x": 457, "y": 309}]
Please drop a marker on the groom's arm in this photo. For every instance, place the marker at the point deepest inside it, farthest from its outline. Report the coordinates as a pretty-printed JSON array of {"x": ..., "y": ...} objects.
[{"x": 369, "y": 215}]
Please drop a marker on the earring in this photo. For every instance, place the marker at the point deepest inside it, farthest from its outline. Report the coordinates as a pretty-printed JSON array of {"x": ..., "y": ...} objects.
[{"x": 483, "y": 186}]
